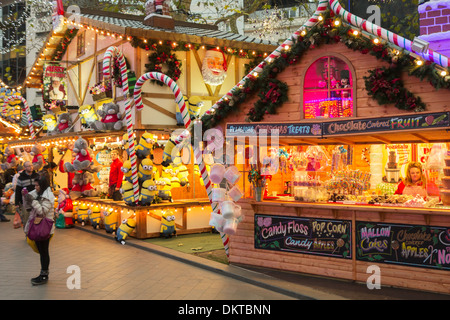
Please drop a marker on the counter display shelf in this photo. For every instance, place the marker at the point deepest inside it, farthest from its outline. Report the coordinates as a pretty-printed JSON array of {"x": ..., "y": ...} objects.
[
  {"x": 192, "y": 216},
  {"x": 411, "y": 246}
]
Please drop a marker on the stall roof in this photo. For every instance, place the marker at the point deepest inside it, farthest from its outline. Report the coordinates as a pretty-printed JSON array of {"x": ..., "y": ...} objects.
[{"x": 133, "y": 26}]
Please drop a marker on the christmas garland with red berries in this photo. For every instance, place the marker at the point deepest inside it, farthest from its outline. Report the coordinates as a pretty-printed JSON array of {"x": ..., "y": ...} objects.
[{"x": 163, "y": 56}]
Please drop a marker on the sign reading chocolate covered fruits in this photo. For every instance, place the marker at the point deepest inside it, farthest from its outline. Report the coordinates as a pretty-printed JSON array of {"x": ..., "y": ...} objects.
[{"x": 303, "y": 235}]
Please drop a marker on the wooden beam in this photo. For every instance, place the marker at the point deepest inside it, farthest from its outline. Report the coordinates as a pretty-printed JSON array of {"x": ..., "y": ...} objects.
[
  {"x": 158, "y": 108},
  {"x": 387, "y": 141},
  {"x": 420, "y": 137}
]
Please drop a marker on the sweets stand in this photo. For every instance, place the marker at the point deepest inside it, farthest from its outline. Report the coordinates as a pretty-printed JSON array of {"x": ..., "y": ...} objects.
[
  {"x": 190, "y": 215},
  {"x": 410, "y": 245}
]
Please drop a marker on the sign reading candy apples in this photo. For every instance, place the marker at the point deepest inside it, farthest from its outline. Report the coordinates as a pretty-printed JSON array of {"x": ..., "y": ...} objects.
[{"x": 323, "y": 237}]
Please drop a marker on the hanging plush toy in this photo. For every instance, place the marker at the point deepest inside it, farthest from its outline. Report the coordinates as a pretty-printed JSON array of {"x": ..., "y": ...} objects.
[
  {"x": 183, "y": 175},
  {"x": 87, "y": 116},
  {"x": 164, "y": 189},
  {"x": 145, "y": 146},
  {"x": 95, "y": 217},
  {"x": 65, "y": 207},
  {"x": 110, "y": 117},
  {"x": 110, "y": 221},
  {"x": 148, "y": 192},
  {"x": 82, "y": 159},
  {"x": 127, "y": 193},
  {"x": 11, "y": 159},
  {"x": 194, "y": 105},
  {"x": 64, "y": 123},
  {"x": 167, "y": 225},
  {"x": 82, "y": 214},
  {"x": 38, "y": 161},
  {"x": 127, "y": 173},
  {"x": 50, "y": 124},
  {"x": 125, "y": 229},
  {"x": 145, "y": 170}
]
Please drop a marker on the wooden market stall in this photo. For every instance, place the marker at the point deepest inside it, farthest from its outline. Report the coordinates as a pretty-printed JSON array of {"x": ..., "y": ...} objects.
[
  {"x": 346, "y": 111},
  {"x": 77, "y": 49}
]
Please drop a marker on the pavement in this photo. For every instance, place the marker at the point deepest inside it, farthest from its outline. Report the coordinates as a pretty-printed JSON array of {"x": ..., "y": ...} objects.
[{"x": 138, "y": 270}]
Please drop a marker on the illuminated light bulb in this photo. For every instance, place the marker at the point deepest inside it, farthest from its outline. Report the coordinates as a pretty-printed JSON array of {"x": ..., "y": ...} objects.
[
  {"x": 337, "y": 22},
  {"x": 355, "y": 32},
  {"x": 419, "y": 62},
  {"x": 376, "y": 41},
  {"x": 320, "y": 18},
  {"x": 444, "y": 73}
]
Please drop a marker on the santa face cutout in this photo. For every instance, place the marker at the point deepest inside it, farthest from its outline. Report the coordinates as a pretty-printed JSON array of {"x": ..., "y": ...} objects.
[{"x": 214, "y": 68}]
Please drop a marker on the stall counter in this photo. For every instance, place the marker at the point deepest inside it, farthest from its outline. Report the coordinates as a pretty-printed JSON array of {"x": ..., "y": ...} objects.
[
  {"x": 410, "y": 246},
  {"x": 192, "y": 216}
]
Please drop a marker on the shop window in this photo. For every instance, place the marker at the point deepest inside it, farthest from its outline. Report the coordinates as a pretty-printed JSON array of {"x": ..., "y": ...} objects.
[{"x": 328, "y": 89}]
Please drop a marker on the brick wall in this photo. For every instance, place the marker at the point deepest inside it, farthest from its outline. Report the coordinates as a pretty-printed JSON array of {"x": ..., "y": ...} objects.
[{"x": 434, "y": 17}]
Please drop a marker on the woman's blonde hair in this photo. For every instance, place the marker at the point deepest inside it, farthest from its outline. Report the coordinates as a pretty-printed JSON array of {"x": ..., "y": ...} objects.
[{"x": 408, "y": 180}]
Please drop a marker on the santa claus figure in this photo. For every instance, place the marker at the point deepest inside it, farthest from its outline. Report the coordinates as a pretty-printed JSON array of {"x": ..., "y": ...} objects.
[{"x": 214, "y": 67}]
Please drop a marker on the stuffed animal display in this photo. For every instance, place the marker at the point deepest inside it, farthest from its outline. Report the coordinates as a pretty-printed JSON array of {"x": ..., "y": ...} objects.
[
  {"x": 38, "y": 161},
  {"x": 11, "y": 159},
  {"x": 125, "y": 229},
  {"x": 168, "y": 225},
  {"x": 88, "y": 116},
  {"x": 64, "y": 123},
  {"x": 50, "y": 124},
  {"x": 110, "y": 118}
]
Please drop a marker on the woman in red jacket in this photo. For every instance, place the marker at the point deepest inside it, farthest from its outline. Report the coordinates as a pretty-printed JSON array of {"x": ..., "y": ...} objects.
[{"x": 415, "y": 182}]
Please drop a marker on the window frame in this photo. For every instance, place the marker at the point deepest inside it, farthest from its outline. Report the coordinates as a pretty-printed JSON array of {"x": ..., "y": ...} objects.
[{"x": 354, "y": 83}]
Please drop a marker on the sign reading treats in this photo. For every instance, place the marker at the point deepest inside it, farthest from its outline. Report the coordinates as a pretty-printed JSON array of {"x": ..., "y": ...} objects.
[
  {"x": 411, "y": 245},
  {"x": 385, "y": 124},
  {"x": 322, "y": 237},
  {"x": 307, "y": 129}
]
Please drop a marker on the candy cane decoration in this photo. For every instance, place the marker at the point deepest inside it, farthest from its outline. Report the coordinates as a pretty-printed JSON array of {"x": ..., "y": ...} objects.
[
  {"x": 373, "y": 29},
  {"x": 26, "y": 107},
  {"x": 185, "y": 135},
  {"x": 109, "y": 54}
]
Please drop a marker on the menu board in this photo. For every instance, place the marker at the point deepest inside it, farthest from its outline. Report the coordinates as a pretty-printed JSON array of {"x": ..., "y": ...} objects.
[
  {"x": 322, "y": 237},
  {"x": 411, "y": 245}
]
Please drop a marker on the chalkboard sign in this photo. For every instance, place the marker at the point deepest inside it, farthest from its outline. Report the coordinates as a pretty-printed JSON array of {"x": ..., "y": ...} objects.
[
  {"x": 285, "y": 129},
  {"x": 412, "y": 245},
  {"x": 386, "y": 124},
  {"x": 323, "y": 237}
]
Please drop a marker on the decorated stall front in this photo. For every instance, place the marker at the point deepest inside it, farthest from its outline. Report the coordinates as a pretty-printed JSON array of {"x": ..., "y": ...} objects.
[
  {"x": 115, "y": 98},
  {"x": 341, "y": 137}
]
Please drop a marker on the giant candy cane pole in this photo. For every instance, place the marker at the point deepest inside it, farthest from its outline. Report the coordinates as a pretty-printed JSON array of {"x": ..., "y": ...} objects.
[
  {"x": 110, "y": 53},
  {"x": 185, "y": 135},
  {"x": 373, "y": 29},
  {"x": 27, "y": 112}
]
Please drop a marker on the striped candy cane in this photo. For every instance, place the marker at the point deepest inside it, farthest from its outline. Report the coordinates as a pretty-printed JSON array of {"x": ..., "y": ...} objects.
[
  {"x": 110, "y": 53},
  {"x": 373, "y": 29},
  {"x": 185, "y": 135},
  {"x": 26, "y": 107}
]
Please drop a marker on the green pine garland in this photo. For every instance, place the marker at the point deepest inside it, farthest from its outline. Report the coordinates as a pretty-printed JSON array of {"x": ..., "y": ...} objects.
[
  {"x": 327, "y": 32},
  {"x": 163, "y": 55}
]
